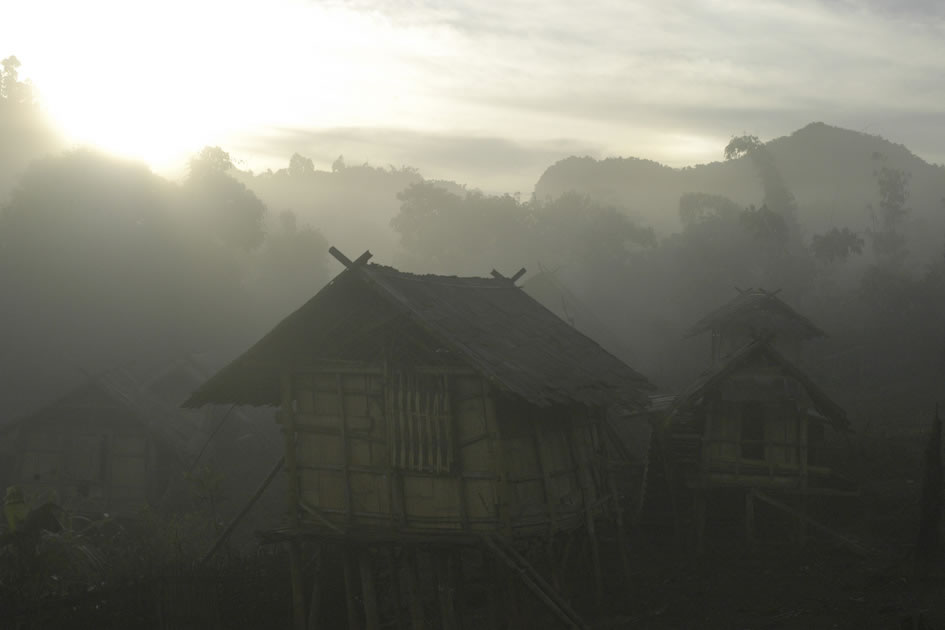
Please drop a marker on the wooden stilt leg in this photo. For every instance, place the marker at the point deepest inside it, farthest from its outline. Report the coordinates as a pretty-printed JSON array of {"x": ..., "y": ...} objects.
[
  {"x": 396, "y": 589},
  {"x": 491, "y": 569},
  {"x": 413, "y": 591},
  {"x": 444, "y": 589},
  {"x": 802, "y": 522},
  {"x": 295, "y": 574},
  {"x": 699, "y": 507},
  {"x": 459, "y": 587},
  {"x": 369, "y": 593},
  {"x": 750, "y": 518},
  {"x": 314, "y": 605},
  {"x": 351, "y": 591},
  {"x": 595, "y": 559}
]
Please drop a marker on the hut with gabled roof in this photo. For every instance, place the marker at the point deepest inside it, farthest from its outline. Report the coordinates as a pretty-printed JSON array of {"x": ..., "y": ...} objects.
[
  {"x": 754, "y": 423},
  {"x": 752, "y": 314},
  {"x": 434, "y": 410},
  {"x": 105, "y": 447}
]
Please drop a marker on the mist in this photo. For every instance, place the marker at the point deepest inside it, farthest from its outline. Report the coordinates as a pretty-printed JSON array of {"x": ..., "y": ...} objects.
[{"x": 122, "y": 277}]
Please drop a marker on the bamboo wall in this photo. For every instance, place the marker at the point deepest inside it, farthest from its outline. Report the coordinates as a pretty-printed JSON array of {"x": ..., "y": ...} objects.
[
  {"x": 432, "y": 450},
  {"x": 89, "y": 463}
]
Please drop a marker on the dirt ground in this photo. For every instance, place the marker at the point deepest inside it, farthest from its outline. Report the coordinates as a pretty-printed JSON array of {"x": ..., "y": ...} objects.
[{"x": 813, "y": 588}]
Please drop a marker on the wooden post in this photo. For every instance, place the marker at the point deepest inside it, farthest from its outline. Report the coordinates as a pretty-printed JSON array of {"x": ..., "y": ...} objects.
[
  {"x": 503, "y": 490},
  {"x": 578, "y": 447},
  {"x": 369, "y": 593},
  {"x": 618, "y": 510},
  {"x": 395, "y": 587},
  {"x": 413, "y": 592},
  {"x": 456, "y": 465},
  {"x": 802, "y": 520},
  {"x": 351, "y": 590},
  {"x": 550, "y": 496},
  {"x": 295, "y": 550},
  {"x": 459, "y": 587},
  {"x": 346, "y": 448},
  {"x": 750, "y": 517},
  {"x": 444, "y": 589},
  {"x": 314, "y": 605},
  {"x": 491, "y": 569},
  {"x": 699, "y": 507}
]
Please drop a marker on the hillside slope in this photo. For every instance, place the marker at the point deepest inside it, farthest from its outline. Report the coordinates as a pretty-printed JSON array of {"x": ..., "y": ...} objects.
[{"x": 830, "y": 171}]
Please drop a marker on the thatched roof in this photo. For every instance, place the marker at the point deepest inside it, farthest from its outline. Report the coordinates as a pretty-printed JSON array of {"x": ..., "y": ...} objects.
[
  {"x": 760, "y": 348},
  {"x": 129, "y": 402},
  {"x": 489, "y": 324},
  {"x": 761, "y": 310}
]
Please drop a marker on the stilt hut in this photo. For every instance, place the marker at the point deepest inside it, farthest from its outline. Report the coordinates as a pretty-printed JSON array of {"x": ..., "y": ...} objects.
[
  {"x": 752, "y": 314},
  {"x": 104, "y": 447},
  {"x": 754, "y": 425},
  {"x": 436, "y": 411}
]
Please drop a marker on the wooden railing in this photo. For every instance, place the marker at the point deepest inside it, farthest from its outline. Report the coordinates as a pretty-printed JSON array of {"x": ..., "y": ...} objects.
[{"x": 696, "y": 449}]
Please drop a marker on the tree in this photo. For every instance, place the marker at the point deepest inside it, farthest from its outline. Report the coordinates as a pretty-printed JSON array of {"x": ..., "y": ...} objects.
[
  {"x": 889, "y": 244},
  {"x": 231, "y": 211},
  {"x": 300, "y": 166},
  {"x": 740, "y": 146},
  {"x": 12, "y": 90},
  {"x": 700, "y": 207},
  {"x": 836, "y": 244},
  {"x": 778, "y": 199},
  {"x": 765, "y": 225},
  {"x": 210, "y": 160}
]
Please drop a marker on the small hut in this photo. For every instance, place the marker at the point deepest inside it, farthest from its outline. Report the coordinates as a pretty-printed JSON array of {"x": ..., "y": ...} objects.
[
  {"x": 752, "y": 314},
  {"x": 754, "y": 425},
  {"x": 104, "y": 447},
  {"x": 435, "y": 411}
]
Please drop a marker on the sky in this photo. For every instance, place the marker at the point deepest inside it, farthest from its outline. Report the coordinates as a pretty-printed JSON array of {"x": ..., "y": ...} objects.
[{"x": 485, "y": 93}]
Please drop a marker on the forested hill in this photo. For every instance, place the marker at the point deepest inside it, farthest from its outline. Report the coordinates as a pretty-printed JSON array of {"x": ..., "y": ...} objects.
[{"x": 829, "y": 170}]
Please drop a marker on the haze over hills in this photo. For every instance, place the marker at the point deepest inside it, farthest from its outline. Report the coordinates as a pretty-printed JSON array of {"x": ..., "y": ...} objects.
[{"x": 829, "y": 170}]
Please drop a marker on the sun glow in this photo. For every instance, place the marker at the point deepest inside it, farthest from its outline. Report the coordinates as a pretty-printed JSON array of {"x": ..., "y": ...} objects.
[{"x": 158, "y": 81}]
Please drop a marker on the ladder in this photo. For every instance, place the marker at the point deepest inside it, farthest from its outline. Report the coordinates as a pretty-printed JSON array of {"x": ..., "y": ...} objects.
[{"x": 509, "y": 556}]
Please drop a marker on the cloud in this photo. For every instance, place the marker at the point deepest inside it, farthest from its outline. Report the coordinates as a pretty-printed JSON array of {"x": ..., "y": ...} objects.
[
  {"x": 491, "y": 163},
  {"x": 439, "y": 82}
]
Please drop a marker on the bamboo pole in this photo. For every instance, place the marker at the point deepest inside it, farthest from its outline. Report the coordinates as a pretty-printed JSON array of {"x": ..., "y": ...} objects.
[
  {"x": 351, "y": 590},
  {"x": 502, "y": 488},
  {"x": 371, "y": 616},
  {"x": 246, "y": 508},
  {"x": 547, "y": 482},
  {"x": 413, "y": 592},
  {"x": 346, "y": 448},
  {"x": 843, "y": 540},
  {"x": 750, "y": 517},
  {"x": 314, "y": 606},
  {"x": 295, "y": 551}
]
